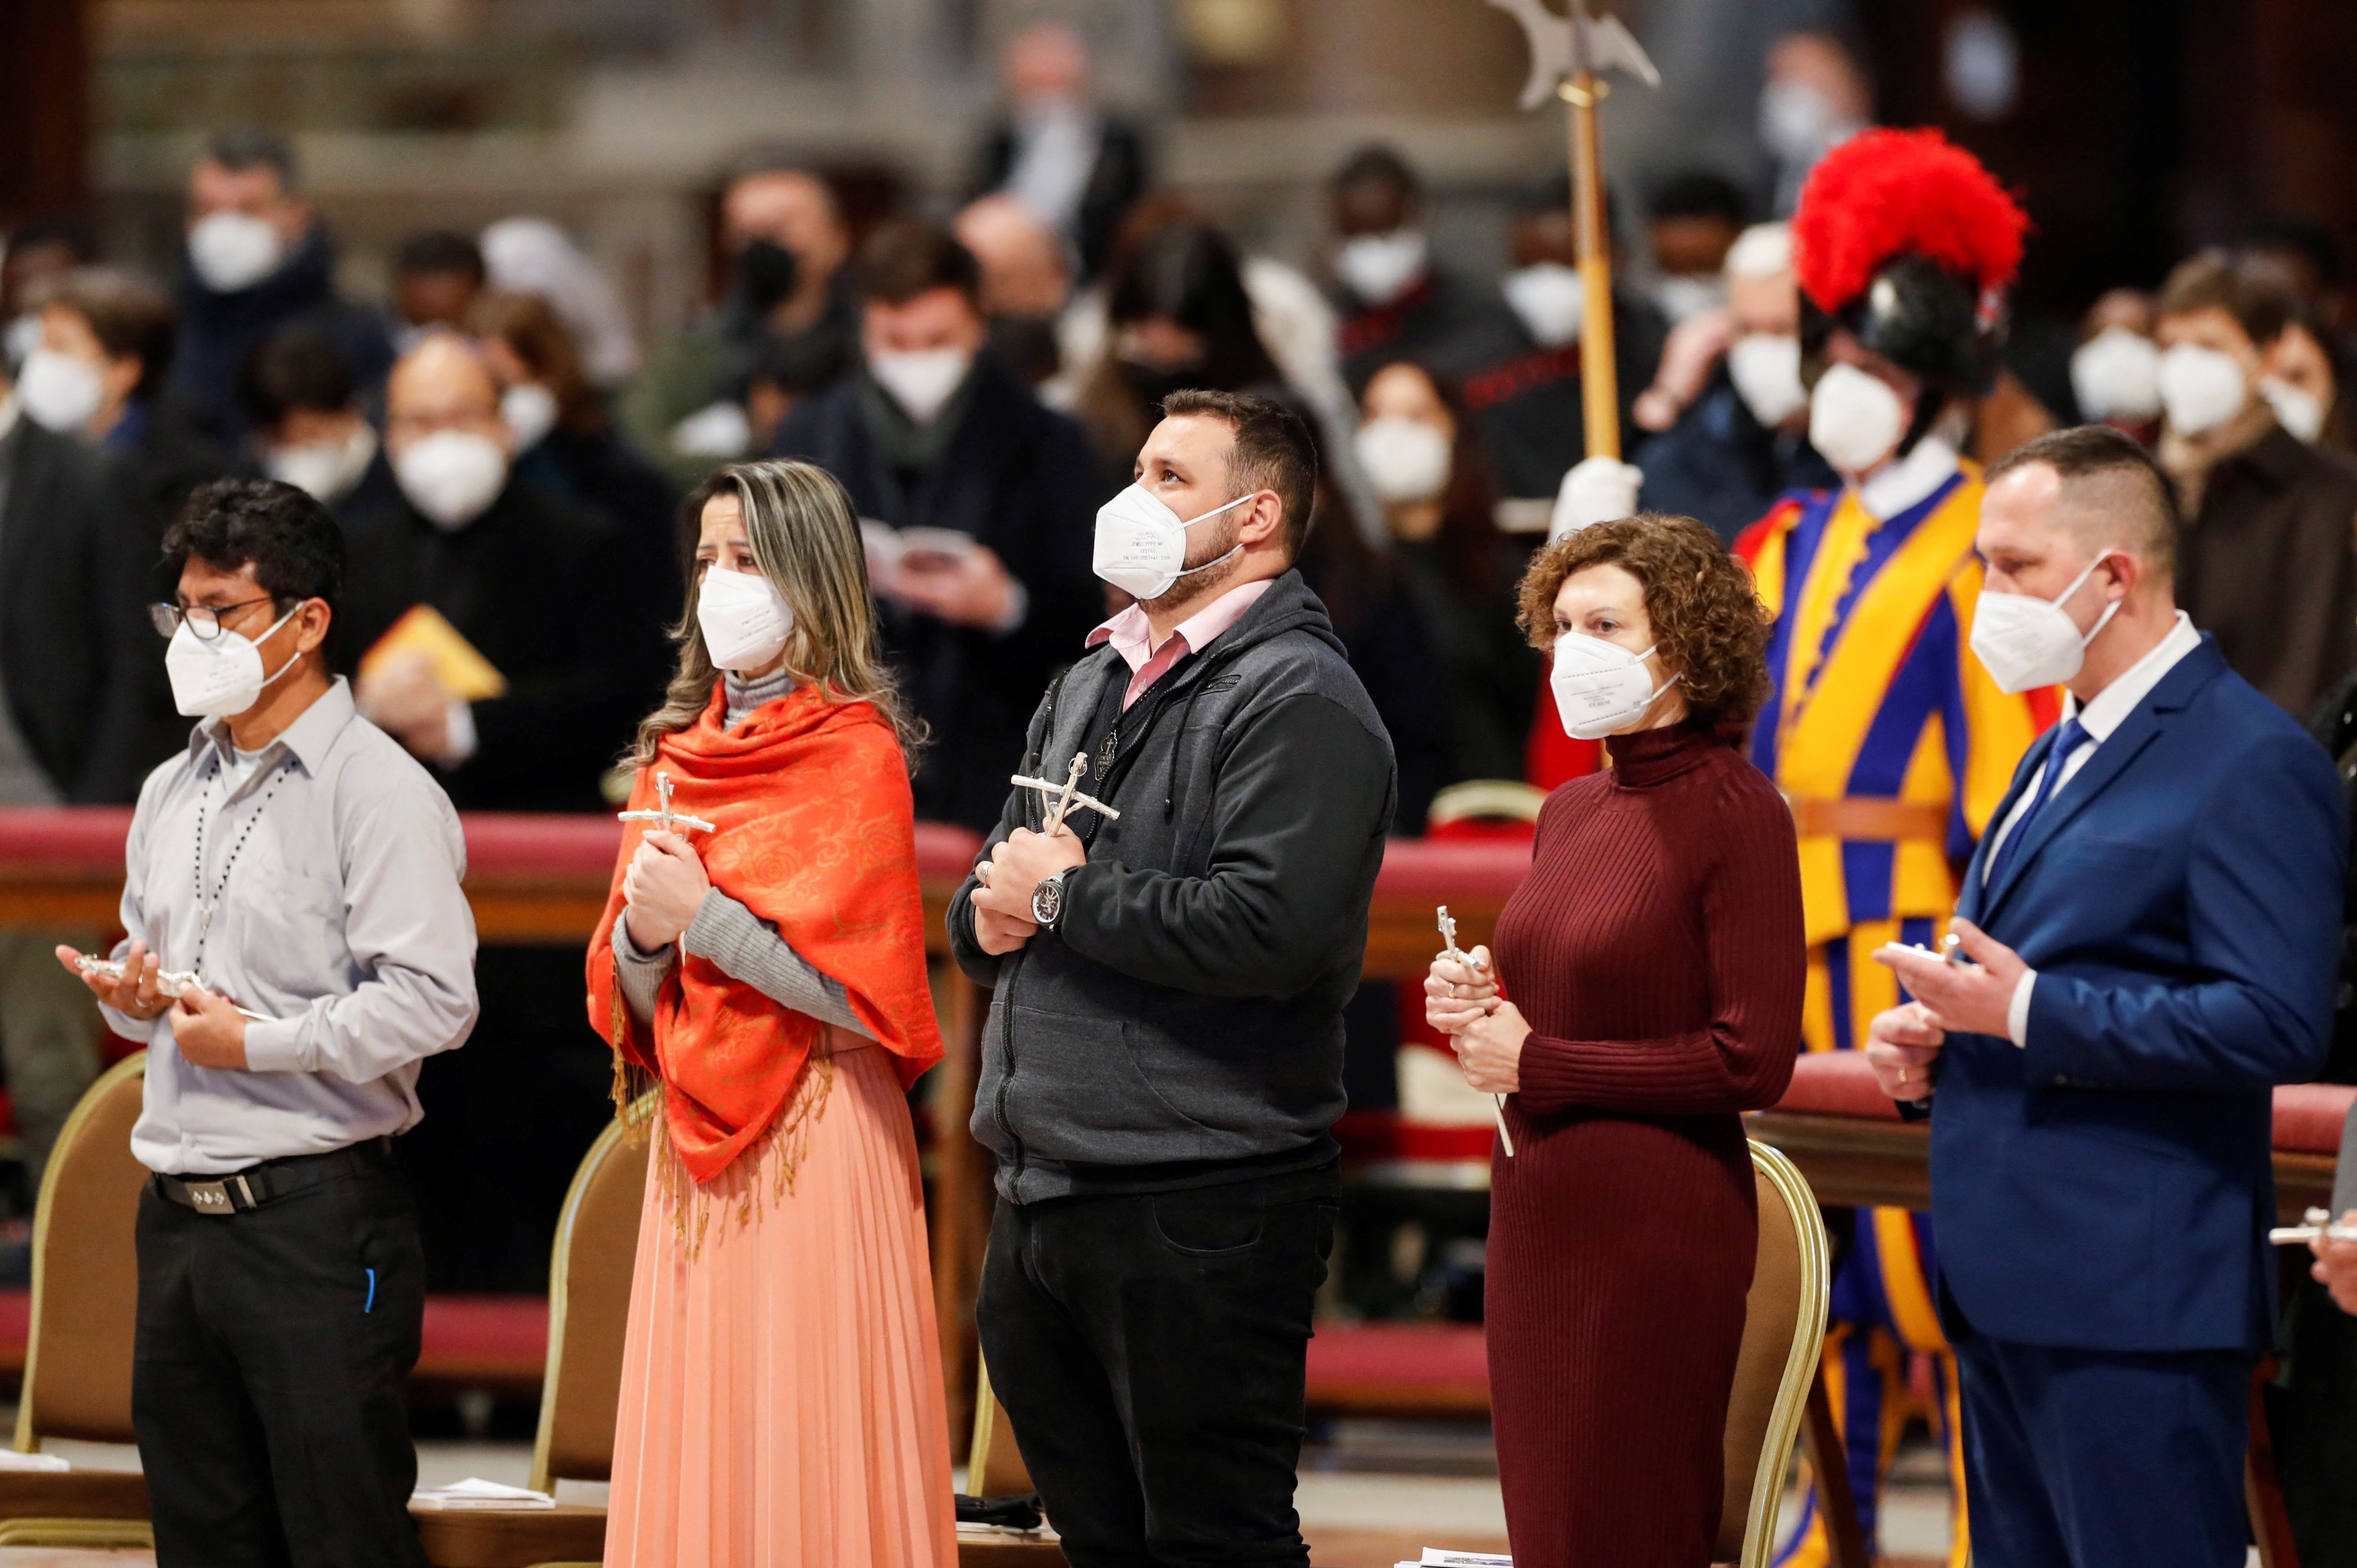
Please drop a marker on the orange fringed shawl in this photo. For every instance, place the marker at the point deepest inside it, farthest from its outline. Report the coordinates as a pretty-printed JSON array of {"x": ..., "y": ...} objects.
[{"x": 814, "y": 833}]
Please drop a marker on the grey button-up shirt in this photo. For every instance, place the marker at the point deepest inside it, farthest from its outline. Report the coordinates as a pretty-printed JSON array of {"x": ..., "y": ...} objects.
[{"x": 341, "y": 919}]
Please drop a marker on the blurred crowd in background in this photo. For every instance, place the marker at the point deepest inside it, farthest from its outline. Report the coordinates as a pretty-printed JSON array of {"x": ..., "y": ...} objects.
[{"x": 979, "y": 368}]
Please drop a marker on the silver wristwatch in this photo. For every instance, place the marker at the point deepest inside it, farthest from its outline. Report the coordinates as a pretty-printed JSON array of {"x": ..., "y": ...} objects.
[{"x": 1047, "y": 900}]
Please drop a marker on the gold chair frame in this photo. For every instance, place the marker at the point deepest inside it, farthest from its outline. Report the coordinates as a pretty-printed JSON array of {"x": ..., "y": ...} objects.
[{"x": 1783, "y": 1178}]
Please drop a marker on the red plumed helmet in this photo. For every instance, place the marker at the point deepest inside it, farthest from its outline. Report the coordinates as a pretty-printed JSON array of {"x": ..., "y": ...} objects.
[{"x": 1884, "y": 193}]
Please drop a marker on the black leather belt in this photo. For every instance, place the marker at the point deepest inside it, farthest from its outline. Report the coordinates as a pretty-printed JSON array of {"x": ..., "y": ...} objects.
[{"x": 257, "y": 1185}]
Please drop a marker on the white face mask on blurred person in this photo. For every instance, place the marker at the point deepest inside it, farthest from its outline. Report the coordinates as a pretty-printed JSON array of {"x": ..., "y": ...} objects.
[
  {"x": 744, "y": 619},
  {"x": 1405, "y": 459},
  {"x": 1680, "y": 296},
  {"x": 2116, "y": 374},
  {"x": 922, "y": 381},
  {"x": 1855, "y": 421},
  {"x": 222, "y": 675},
  {"x": 2201, "y": 388},
  {"x": 1766, "y": 369},
  {"x": 1141, "y": 544},
  {"x": 452, "y": 475},
  {"x": 59, "y": 392},
  {"x": 1379, "y": 268},
  {"x": 530, "y": 409},
  {"x": 1550, "y": 300},
  {"x": 2297, "y": 409},
  {"x": 234, "y": 251},
  {"x": 1797, "y": 121},
  {"x": 325, "y": 470}
]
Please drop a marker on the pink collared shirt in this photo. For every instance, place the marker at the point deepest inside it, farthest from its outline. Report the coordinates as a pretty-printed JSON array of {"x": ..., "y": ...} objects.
[{"x": 1133, "y": 638}]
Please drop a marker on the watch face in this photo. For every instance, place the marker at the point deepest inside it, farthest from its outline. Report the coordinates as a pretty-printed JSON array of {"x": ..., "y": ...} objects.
[{"x": 1047, "y": 901}]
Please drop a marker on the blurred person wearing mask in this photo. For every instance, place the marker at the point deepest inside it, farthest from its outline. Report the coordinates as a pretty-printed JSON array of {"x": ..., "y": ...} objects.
[
  {"x": 306, "y": 428},
  {"x": 1421, "y": 454},
  {"x": 980, "y": 499},
  {"x": 1816, "y": 98},
  {"x": 566, "y": 443},
  {"x": 1077, "y": 168},
  {"x": 791, "y": 305},
  {"x": 1741, "y": 438},
  {"x": 100, "y": 374},
  {"x": 2301, "y": 382},
  {"x": 2269, "y": 560},
  {"x": 541, "y": 589},
  {"x": 258, "y": 258},
  {"x": 1392, "y": 300},
  {"x": 1892, "y": 742},
  {"x": 532, "y": 256},
  {"x": 2115, "y": 370},
  {"x": 437, "y": 277},
  {"x": 33, "y": 255},
  {"x": 1519, "y": 360},
  {"x": 1027, "y": 282},
  {"x": 71, "y": 646},
  {"x": 1691, "y": 224}
]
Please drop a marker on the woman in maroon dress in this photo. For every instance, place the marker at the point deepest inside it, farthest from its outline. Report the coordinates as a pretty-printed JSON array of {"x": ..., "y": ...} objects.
[{"x": 1654, "y": 961}]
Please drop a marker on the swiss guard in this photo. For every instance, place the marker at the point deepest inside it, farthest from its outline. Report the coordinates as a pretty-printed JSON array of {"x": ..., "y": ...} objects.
[{"x": 1891, "y": 743}]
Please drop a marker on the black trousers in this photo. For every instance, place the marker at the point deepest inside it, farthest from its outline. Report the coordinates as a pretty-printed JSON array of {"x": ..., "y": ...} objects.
[
  {"x": 1150, "y": 1353},
  {"x": 268, "y": 1388}
]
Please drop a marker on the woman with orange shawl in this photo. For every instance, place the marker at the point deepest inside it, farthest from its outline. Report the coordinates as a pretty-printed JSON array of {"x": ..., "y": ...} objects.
[{"x": 781, "y": 1384}]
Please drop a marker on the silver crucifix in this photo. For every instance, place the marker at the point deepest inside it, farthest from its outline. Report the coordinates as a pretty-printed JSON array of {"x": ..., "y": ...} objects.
[
  {"x": 1060, "y": 798},
  {"x": 1498, "y": 1101},
  {"x": 670, "y": 821}
]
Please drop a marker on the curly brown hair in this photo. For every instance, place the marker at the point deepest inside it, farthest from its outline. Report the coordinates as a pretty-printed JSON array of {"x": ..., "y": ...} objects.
[{"x": 1708, "y": 619}]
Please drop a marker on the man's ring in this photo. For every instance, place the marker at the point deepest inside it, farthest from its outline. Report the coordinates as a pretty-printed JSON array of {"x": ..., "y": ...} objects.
[
  {"x": 1902, "y": 1075},
  {"x": 981, "y": 872}
]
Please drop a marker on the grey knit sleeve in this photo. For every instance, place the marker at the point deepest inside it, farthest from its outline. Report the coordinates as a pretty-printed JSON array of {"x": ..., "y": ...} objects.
[
  {"x": 748, "y": 948},
  {"x": 640, "y": 974}
]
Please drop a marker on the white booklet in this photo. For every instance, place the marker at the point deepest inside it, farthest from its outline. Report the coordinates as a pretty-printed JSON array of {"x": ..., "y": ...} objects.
[
  {"x": 1441, "y": 1557},
  {"x": 475, "y": 1493},
  {"x": 12, "y": 1460}
]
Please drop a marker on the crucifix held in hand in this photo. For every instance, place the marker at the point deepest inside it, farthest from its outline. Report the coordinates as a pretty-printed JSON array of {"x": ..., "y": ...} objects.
[
  {"x": 663, "y": 817},
  {"x": 1060, "y": 798},
  {"x": 1498, "y": 1106}
]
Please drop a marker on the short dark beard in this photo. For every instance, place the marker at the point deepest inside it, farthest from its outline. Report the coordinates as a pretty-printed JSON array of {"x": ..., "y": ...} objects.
[{"x": 1201, "y": 585}]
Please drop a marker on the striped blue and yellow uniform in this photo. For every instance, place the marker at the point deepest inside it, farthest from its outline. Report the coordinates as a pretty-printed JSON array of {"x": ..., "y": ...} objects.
[{"x": 1876, "y": 703}]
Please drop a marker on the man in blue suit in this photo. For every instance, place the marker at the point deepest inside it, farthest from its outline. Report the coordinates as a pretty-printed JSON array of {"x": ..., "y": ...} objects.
[{"x": 2152, "y": 928}]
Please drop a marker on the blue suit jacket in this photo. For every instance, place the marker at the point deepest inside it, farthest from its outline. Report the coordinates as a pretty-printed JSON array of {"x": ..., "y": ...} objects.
[{"x": 2109, "y": 1186}]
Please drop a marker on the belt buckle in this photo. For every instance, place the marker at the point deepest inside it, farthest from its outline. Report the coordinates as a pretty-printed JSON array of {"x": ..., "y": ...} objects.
[{"x": 210, "y": 1197}]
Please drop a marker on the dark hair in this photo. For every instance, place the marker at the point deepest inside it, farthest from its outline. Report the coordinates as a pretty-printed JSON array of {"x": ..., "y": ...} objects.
[
  {"x": 294, "y": 368},
  {"x": 2259, "y": 301},
  {"x": 130, "y": 317},
  {"x": 1469, "y": 544},
  {"x": 438, "y": 251},
  {"x": 1701, "y": 193},
  {"x": 2093, "y": 451},
  {"x": 1707, "y": 618},
  {"x": 2304, "y": 237},
  {"x": 911, "y": 256},
  {"x": 1274, "y": 451},
  {"x": 250, "y": 146},
  {"x": 294, "y": 546},
  {"x": 532, "y": 329},
  {"x": 1188, "y": 273},
  {"x": 62, "y": 229},
  {"x": 1381, "y": 167}
]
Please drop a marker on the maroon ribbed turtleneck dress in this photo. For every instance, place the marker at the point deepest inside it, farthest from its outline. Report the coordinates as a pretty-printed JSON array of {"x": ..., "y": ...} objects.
[{"x": 1656, "y": 952}]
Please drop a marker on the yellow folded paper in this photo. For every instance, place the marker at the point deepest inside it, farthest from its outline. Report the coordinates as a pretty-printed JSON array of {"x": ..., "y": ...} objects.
[{"x": 464, "y": 672}]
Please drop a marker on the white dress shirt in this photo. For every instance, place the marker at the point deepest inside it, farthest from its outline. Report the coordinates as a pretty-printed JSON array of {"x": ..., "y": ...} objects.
[
  {"x": 339, "y": 916},
  {"x": 2105, "y": 712}
]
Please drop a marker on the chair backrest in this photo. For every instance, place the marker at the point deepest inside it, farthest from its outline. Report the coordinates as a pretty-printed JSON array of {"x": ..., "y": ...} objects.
[
  {"x": 1783, "y": 1331},
  {"x": 993, "y": 1467},
  {"x": 86, "y": 1271},
  {"x": 590, "y": 1302}
]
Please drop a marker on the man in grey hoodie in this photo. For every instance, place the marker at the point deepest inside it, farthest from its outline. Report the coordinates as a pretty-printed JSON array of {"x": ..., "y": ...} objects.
[{"x": 1163, "y": 1061}]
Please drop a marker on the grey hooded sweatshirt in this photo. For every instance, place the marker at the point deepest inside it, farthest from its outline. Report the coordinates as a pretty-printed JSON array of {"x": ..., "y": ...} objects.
[{"x": 1182, "y": 1024}]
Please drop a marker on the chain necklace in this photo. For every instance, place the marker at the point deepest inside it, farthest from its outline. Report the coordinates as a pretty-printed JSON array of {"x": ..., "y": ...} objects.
[{"x": 205, "y": 906}]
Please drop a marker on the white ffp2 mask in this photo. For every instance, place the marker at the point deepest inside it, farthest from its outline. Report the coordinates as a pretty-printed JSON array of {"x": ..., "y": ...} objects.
[
  {"x": 2297, "y": 409},
  {"x": 1599, "y": 686},
  {"x": 1405, "y": 459},
  {"x": 744, "y": 619},
  {"x": 2026, "y": 643},
  {"x": 1766, "y": 369},
  {"x": 1141, "y": 544},
  {"x": 234, "y": 251},
  {"x": 219, "y": 676},
  {"x": 1550, "y": 299},
  {"x": 922, "y": 381},
  {"x": 2116, "y": 374},
  {"x": 2202, "y": 388},
  {"x": 60, "y": 392},
  {"x": 452, "y": 475},
  {"x": 1381, "y": 268},
  {"x": 1855, "y": 421}
]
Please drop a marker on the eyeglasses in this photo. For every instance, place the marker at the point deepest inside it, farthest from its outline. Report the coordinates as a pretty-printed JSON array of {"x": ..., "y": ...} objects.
[{"x": 205, "y": 620}]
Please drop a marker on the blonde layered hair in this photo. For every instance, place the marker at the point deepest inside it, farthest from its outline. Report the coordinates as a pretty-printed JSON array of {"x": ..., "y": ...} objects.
[{"x": 804, "y": 536}]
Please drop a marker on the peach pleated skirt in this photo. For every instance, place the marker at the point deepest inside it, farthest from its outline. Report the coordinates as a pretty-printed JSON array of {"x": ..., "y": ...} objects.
[{"x": 782, "y": 1400}]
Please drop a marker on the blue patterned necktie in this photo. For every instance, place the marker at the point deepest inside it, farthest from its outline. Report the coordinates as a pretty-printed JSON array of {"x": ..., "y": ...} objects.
[{"x": 2068, "y": 738}]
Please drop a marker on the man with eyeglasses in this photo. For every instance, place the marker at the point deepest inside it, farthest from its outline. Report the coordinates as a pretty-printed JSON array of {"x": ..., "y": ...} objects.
[{"x": 296, "y": 944}]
